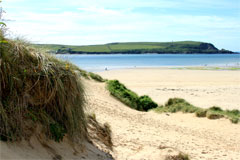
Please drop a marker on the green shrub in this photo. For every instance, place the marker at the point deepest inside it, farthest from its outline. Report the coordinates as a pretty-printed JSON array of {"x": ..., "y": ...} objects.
[
  {"x": 177, "y": 104},
  {"x": 96, "y": 77},
  {"x": 145, "y": 103},
  {"x": 173, "y": 101},
  {"x": 214, "y": 108},
  {"x": 180, "y": 156},
  {"x": 214, "y": 115},
  {"x": 234, "y": 112},
  {"x": 122, "y": 93},
  {"x": 201, "y": 113},
  {"x": 84, "y": 74},
  {"x": 234, "y": 120}
]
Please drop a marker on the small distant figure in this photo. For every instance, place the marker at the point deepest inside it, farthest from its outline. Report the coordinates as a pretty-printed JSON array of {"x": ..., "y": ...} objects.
[{"x": 106, "y": 69}]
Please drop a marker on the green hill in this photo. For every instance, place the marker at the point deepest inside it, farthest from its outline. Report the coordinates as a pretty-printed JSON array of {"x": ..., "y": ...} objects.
[{"x": 136, "y": 48}]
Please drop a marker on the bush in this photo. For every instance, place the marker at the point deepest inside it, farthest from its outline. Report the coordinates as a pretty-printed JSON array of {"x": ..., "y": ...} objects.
[
  {"x": 234, "y": 112},
  {"x": 145, "y": 103},
  {"x": 177, "y": 104},
  {"x": 96, "y": 77},
  {"x": 214, "y": 115},
  {"x": 84, "y": 73},
  {"x": 122, "y": 93},
  {"x": 173, "y": 101},
  {"x": 214, "y": 108},
  {"x": 180, "y": 156},
  {"x": 234, "y": 120},
  {"x": 201, "y": 113}
]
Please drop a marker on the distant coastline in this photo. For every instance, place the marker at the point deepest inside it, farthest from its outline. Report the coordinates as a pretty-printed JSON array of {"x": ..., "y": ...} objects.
[{"x": 181, "y": 47}]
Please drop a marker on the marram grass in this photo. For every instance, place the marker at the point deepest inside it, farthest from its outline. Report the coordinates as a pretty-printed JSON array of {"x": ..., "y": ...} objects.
[
  {"x": 36, "y": 87},
  {"x": 174, "y": 105}
]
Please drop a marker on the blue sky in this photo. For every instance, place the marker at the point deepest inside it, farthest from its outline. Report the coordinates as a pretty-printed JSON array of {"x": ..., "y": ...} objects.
[{"x": 83, "y": 22}]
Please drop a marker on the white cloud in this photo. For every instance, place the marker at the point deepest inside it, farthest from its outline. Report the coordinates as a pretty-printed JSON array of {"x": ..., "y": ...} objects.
[{"x": 94, "y": 22}]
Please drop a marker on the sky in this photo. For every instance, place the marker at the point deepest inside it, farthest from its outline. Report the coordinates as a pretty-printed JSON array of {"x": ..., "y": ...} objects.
[{"x": 86, "y": 22}]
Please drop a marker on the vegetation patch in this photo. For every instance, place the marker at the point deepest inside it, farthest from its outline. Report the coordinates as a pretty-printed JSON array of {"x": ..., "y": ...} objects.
[
  {"x": 174, "y": 105},
  {"x": 145, "y": 103},
  {"x": 43, "y": 89},
  {"x": 125, "y": 95},
  {"x": 130, "y": 98},
  {"x": 180, "y": 105},
  {"x": 180, "y": 156},
  {"x": 201, "y": 113},
  {"x": 96, "y": 77}
]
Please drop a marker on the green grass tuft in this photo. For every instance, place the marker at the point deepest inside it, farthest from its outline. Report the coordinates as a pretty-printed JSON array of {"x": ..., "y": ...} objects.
[
  {"x": 180, "y": 156},
  {"x": 214, "y": 115},
  {"x": 130, "y": 98},
  {"x": 180, "y": 105},
  {"x": 234, "y": 120},
  {"x": 201, "y": 113},
  {"x": 96, "y": 77},
  {"x": 145, "y": 103},
  {"x": 125, "y": 95},
  {"x": 176, "y": 105}
]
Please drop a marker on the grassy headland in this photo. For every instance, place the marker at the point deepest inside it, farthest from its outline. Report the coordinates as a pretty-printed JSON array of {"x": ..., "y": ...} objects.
[{"x": 136, "y": 48}]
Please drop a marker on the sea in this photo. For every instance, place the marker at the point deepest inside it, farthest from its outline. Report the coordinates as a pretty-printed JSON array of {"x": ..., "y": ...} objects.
[{"x": 96, "y": 63}]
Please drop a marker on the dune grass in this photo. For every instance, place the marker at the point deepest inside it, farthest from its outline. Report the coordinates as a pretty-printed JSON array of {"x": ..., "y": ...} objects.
[
  {"x": 130, "y": 98},
  {"x": 39, "y": 88},
  {"x": 174, "y": 105},
  {"x": 96, "y": 77}
]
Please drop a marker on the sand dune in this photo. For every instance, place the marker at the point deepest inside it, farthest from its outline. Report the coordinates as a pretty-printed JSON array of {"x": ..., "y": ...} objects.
[
  {"x": 149, "y": 135},
  {"x": 49, "y": 150}
]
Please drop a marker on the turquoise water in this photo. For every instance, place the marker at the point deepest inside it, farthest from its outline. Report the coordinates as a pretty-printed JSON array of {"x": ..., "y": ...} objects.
[{"x": 120, "y": 61}]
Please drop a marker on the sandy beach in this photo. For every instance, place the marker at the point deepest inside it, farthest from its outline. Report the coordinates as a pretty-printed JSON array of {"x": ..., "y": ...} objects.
[
  {"x": 148, "y": 135},
  {"x": 151, "y": 136},
  {"x": 202, "y": 88}
]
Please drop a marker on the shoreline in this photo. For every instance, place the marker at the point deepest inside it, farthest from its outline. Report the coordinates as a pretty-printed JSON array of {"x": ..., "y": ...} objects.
[{"x": 213, "y": 68}]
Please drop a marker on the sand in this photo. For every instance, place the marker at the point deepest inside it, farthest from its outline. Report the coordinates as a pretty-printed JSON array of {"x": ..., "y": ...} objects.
[
  {"x": 202, "y": 88},
  {"x": 148, "y": 135},
  {"x": 42, "y": 149},
  {"x": 151, "y": 136}
]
